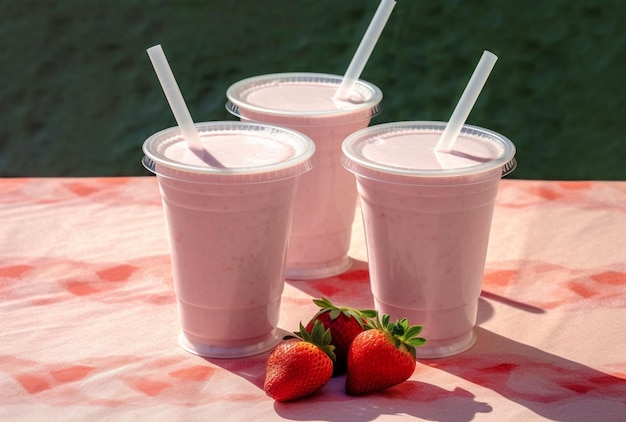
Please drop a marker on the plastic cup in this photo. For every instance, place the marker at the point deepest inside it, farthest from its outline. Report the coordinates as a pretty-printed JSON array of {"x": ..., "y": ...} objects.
[
  {"x": 427, "y": 218},
  {"x": 228, "y": 229},
  {"x": 326, "y": 198}
]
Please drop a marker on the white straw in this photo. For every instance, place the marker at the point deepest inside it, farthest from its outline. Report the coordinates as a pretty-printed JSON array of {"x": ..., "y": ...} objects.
[
  {"x": 174, "y": 97},
  {"x": 365, "y": 49},
  {"x": 467, "y": 101}
]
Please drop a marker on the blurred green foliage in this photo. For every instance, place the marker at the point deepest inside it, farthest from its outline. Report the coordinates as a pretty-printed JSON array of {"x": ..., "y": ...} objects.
[{"x": 79, "y": 95}]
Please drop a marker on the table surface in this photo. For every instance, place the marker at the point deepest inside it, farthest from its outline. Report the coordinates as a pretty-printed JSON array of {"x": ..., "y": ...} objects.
[{"x": 88, "y": 323}]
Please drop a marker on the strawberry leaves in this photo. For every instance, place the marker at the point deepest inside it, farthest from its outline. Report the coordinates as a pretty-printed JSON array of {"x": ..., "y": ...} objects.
[
  {"x": 320, "y": 337},
  {"x": 360, "y": 315},
  {"x": 400, "y": 332}
]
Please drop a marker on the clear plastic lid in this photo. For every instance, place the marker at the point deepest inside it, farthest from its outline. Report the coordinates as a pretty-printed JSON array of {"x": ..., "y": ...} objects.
[
  {"x": 301, "y": 96},
  {"x": 407, "y": 149},
  {"x": 235, "y": 151}
]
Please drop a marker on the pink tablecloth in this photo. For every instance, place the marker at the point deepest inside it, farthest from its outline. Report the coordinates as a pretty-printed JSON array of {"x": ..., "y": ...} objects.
[{"x": 88, "y": 322}]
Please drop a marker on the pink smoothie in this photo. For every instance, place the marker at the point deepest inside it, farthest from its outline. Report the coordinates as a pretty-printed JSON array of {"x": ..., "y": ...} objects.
[
  {"x": 427, "y": 218},
  {"x": 326, "y": 198},
  {"x": 228, "y": 229}
]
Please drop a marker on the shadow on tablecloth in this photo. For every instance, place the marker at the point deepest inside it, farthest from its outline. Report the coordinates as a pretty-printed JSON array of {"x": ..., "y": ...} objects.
[{"x": 548, "y": 385}]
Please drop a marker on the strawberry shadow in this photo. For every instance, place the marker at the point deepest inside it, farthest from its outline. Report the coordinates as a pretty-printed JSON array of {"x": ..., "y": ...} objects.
[
  {"x": 551, "y": 386},
  {"x": 411, "y": 398}
]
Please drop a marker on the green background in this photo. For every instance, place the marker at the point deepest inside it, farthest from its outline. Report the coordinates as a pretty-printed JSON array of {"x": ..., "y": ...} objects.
[{"x": 79, "y": 95}]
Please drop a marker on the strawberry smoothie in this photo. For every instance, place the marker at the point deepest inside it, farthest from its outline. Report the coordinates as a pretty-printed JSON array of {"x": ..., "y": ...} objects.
[
  {"x": 228, "y": 218},
  {"x": 427, "y": 217},
  {"x": 326, "y": 198}
]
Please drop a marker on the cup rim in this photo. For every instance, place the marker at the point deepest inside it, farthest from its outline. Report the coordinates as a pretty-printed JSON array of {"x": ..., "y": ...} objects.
[
  {"x": 300, "y": 161},
  {"x": 358, "y": 164},
  {"x": 236, "y": 102}
]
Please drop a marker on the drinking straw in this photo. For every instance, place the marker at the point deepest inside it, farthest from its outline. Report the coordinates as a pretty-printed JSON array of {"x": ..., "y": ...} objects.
[
  {"x": 365, "y": 49},
  {"x": 467, "y": 101},
  {"x": 175, "y": 98}
]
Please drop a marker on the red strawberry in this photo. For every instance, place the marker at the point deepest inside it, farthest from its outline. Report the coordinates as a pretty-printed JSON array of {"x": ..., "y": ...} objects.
[
  {"x": 344, "y": 325},
  {"x": 382, "y": 356},
  {"x": 300, "y": 366}
]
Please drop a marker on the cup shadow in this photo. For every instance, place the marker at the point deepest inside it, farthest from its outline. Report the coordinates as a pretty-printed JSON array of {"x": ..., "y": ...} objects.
[
  {"x": 351, "y": 288},
  {"x": 549, "y": 385},
  {"x": 251, "y": 368}
]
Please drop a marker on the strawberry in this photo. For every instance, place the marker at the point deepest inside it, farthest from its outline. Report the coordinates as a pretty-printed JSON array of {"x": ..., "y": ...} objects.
[
  {"x": 344, "y": 325},
  {"x": 382, "y": 356},
  {"x": 300, "y": 366}
]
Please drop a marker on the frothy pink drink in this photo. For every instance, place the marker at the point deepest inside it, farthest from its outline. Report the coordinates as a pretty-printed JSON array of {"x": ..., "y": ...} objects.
[
  {"x": 427, "y": 217},
  {"x": 228, "y": 218},
  {"x": 326, "y": 198}
]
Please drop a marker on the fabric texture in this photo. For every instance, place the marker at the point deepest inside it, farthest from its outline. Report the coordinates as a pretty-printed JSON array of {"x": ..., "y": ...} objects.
[{"x": 88, "y": 326}]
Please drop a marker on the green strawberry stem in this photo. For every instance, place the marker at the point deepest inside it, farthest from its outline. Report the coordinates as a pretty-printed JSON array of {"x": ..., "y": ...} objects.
[
  {"x": 362, "y": 316},
  {"x": 318, "y": 336},
  {"x": 400, "y": 332}
]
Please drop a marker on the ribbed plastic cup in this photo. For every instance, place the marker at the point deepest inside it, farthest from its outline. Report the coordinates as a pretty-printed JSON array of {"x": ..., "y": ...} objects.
[
  {"x": 427, "y": 218},
  {"x": 326, "y": 198},
  {"x": 228, "y": 227}
]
